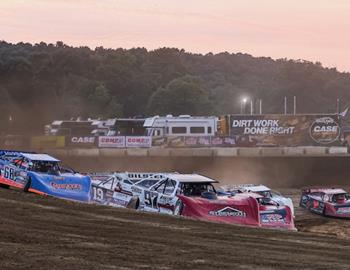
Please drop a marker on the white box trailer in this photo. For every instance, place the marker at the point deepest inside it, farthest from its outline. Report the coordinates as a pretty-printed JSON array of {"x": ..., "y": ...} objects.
[{"x": 182, "y": 125}]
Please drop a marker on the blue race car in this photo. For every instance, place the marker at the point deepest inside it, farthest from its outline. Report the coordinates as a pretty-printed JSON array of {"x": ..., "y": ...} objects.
[{"x": 42, "y": 174}]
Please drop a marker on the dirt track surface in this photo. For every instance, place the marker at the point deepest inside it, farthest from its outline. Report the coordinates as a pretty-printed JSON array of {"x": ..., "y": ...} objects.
[{"x": 47, "y": 233}]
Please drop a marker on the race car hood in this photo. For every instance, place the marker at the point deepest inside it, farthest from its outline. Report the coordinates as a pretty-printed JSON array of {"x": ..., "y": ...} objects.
[
  {"x": 243, "y": 211},
  {"x": 67, "y": 185}
]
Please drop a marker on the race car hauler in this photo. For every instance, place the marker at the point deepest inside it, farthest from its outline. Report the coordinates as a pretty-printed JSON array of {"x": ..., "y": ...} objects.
[{"x": 182, "y": 125}]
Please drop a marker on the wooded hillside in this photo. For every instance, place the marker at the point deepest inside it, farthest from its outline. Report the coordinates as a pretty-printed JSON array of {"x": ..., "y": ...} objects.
[{"x": 42, "y": 82}]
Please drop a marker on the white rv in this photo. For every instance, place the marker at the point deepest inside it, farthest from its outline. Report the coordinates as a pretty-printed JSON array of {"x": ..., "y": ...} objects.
[{"x": 182, "y": 125}]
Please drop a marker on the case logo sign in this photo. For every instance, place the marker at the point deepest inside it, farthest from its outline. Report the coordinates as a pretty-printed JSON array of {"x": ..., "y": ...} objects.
[
  {"x": 324, "y": 130},
  {"x": 228, "y": 212}
]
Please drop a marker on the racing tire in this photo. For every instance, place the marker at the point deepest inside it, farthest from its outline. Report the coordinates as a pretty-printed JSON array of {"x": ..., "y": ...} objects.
[
  {"x": 4, "y": 186},
  {"x": 134, "y": 203},
  {"x": 27, "y": 186},
  {"x": 179, "y": 206}
]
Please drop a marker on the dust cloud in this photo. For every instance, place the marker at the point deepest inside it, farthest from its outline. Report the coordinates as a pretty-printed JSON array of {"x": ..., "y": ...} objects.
[{"x": 275, "y": 172}]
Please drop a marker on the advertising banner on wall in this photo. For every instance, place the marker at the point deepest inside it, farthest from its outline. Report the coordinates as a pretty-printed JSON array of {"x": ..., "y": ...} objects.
[
  {"x": 138, "y": 141},
  {"x": 111, "y": 141},
  {"x": 197, "y": 141},
  {"x": 47, "y": 142},
  {"x": 80, "y": 141},
  {"x": 200, "y": 141},
  {"x": 223, "y": 141},
  {"x": 285, "y": 130}
]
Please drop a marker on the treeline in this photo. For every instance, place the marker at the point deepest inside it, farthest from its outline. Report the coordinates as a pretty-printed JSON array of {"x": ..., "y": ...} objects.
[{"x": 42, "y": 82}]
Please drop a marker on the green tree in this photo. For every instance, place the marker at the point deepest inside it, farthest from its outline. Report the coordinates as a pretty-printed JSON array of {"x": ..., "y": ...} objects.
[{"x": 183, "y": 95}]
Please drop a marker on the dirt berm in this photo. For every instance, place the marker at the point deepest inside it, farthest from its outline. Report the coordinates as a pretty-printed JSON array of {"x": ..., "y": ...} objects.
[{"x": 46, "y": 233}]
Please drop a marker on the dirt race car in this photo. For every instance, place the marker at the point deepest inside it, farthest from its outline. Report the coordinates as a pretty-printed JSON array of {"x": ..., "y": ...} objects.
[
  {"x": 115, "y": 189},
  {"x": 332, "y": 202},
  {"x": 42, "y": 174},
  {"x": 265, "y": 192},
  {"x": 194, "y": 196}
]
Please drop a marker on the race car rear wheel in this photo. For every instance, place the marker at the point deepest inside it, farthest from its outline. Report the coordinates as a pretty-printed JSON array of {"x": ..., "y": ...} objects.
[
  {"x": 4, "y": 186},
  {"x": 178, "y": 208}
]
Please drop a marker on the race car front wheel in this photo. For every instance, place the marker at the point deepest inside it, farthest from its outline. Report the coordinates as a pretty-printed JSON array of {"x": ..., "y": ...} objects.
[
  {"x": 134, "y": 203},
  {"x": 27, "y": 186},
  {"x": 178, "y": 208}
]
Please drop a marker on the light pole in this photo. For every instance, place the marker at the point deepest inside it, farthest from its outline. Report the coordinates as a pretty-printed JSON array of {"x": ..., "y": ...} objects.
[
  {"x": 243, "y": 104},
  {"x": 10, "y": 124},
  {"x": 338, "y": 105}
]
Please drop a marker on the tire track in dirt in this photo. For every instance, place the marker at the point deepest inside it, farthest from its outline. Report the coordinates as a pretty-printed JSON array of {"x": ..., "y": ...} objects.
[{"x": 47, "y": 233}]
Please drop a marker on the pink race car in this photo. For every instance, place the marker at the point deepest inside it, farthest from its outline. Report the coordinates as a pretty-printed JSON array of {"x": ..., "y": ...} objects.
[{"x": 333, "y": 202}]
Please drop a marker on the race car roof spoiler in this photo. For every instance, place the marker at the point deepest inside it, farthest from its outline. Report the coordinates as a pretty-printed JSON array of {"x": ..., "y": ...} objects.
[
  {"x": 39, "y": 157},
  {"x": 244, "y": 187},
  {"x": 308, "y": 190},
  {"x": 13, "y": 152}
]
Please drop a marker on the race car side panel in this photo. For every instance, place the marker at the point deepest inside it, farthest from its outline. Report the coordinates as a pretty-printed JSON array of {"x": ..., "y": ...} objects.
[
  {"x": 105, "y": 196},
  {"x": 337, "y": 210},
  {"x": 13, "y": 177},
  {"x": 67, "y": 186},
  {"x": 241, "y": 211}
]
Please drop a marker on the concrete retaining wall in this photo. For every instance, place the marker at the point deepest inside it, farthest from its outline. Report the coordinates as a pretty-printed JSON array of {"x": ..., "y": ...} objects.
[{"x": 202, "y": 152}]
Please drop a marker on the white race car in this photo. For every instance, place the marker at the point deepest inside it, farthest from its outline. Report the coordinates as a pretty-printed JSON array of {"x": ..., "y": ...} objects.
[
  {"x": 193, "y": 196},
  {"x": 116, "y": 189},
  {"x": 262, "y": 190}
]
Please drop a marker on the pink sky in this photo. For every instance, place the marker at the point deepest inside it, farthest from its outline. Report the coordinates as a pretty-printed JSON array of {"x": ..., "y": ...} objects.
[{"x": 315, "y": 30}]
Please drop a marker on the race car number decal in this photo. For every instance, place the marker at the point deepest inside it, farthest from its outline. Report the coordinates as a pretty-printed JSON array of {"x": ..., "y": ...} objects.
[
  {"x": 9, "y": 173},
  {"x": 97, "y": 194}
]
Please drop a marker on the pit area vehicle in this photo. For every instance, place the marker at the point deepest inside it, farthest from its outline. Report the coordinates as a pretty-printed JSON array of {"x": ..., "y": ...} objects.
[
  {"x": 331, "y": 202},
  {"x": 42, "y": 174}
]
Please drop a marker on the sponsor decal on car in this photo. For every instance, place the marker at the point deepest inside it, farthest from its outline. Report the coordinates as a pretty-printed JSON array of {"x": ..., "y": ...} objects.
[
  {"x": 136, "y": 190},
  {"x": 343, "y": 210},
  {"x": 228, "y": 212},
  {"x": 66, "y": 186},
  {"x": 272, "y": 218}
]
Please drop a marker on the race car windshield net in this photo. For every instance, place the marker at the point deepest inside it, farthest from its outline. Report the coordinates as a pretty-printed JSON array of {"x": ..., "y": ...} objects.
[
  {"x": 147, "y": 183},
  {"x": 265, "y": 193},
  {"x": 48, "y": 167},
  {"x": 340, "y": 197},
  {"x": 196, "y": 189}
]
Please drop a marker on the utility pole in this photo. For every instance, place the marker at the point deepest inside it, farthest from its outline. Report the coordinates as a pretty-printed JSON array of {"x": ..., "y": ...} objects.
[{"x": 294, "y": 105}]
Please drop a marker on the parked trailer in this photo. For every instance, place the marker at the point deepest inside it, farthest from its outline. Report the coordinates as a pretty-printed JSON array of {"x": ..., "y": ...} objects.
[{"x": 182, "y": 125}]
